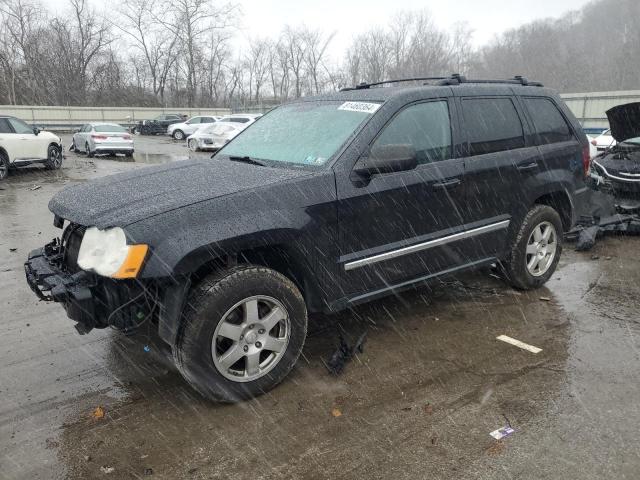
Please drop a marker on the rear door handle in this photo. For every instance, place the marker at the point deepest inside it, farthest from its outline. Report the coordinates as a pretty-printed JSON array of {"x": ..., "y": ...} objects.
[
  {"x": 448, "y": 183},
  {"x": 529, "y": 166}
]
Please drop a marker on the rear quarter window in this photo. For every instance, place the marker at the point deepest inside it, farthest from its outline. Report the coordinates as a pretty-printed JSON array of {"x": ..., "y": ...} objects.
[
  {"x": 492, "y": 124},
  {"x": 4, "y": 126},
  {"x": 550, "y": 125}
]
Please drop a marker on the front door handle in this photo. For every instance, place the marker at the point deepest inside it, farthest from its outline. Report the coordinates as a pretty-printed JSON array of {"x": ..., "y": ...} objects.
[
  {"x": 528, "y": 166},
  {"x": 448, "y": 183}
]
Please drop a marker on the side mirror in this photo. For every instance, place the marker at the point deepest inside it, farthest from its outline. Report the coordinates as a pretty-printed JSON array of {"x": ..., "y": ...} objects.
[
  {"x": 36, "y": 131},
  {"x": 387, "y": 159}
]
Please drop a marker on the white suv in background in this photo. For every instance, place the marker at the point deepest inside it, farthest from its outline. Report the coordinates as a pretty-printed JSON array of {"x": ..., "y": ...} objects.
[
  {"x": 180, "y": 131},
  {"x": 21, "y": 145}
]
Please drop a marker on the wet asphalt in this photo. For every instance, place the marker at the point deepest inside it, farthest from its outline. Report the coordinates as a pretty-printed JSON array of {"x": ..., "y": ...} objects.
[{"x": 419, "y": 402}]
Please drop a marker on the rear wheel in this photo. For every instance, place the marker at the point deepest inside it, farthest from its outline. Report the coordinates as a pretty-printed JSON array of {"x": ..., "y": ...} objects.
[
  {"x": 242, "y": 332},
  {"x": 536, "y": 250},
  {"x": 129, "y": 154},
  {"x": 54, "y": 157},
  {"x": 88, "y": 151},
  {"x": 4, "y": 166}
]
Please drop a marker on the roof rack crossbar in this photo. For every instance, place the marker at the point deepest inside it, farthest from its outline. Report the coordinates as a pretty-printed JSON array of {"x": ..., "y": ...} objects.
[{"x": 453, "y": 79}]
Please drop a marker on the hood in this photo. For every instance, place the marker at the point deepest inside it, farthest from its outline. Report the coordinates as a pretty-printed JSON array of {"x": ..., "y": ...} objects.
[
  {"x": 625, "y": 121},
  {"x": 126, "y": 198}
]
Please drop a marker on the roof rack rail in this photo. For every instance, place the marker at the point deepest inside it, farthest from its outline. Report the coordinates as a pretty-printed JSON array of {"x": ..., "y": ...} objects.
[{"x": 453, "y": 79}]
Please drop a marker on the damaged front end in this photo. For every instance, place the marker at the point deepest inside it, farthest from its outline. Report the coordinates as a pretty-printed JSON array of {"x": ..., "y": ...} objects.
[
  {"x": 91, "y": 300},
  {"x": 617, "y": 170}
]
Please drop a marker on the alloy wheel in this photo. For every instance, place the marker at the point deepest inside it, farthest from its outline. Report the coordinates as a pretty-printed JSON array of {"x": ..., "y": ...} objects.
[
  {"x": 541, "y": 249},
  {"x": 251, "y": 338}
]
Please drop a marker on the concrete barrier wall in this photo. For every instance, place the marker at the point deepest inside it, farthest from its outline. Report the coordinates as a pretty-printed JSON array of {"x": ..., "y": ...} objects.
[
  {"x": 590, "y": 108},
  {"x": 64, "y": 118}
]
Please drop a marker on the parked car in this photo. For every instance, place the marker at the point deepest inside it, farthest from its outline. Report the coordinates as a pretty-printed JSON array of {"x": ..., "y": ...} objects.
[
  {"x": 617, "y": 170},
  {"x": 246, "y": 118},
  {"x": 603, "y": 141},
  {"x": 214, "y": 137},
  {"x": 180, "y": 131},
  {"x": 325, "y": 203},
  {"x": 102, "y": 139},
  {"x": 159, "y": 125},
  {"x": 593, "y": 151},
  {"x": 21, "y": 145}
]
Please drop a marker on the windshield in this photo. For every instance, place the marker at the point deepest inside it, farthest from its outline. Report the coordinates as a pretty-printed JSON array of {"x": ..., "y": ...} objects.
[
  {"x": 109, "y": 128},
  {"x": 302, "y": 133}
]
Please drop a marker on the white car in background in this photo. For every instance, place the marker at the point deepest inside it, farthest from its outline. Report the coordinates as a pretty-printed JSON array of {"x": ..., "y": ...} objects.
[
  {"x": 603, "y": 141},
  {"x": 102, "y": 139},
  {"x": 21, "y": 144},
  {"x": 244, "y": 118},
  {"x": 214, "y": 137},
  {"x": 180, "y": 131}
]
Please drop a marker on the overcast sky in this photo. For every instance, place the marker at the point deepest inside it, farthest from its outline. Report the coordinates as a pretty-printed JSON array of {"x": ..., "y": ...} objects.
[{"x": 350, "y": 17}]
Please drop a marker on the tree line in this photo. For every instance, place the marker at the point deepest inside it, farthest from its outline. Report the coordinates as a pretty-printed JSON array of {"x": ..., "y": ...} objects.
[{"x": 184, "y": 53}]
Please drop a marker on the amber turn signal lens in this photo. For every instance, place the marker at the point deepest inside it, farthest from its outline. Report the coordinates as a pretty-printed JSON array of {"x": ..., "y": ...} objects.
[{"x": 133, "y": 263}]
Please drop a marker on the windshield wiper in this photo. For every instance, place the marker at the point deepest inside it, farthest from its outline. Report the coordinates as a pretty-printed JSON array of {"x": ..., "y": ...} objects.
[{"x": 247, "y": 159}]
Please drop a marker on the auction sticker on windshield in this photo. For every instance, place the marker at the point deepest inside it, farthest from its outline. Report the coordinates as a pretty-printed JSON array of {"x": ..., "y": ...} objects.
[{"x": 363, "y": 107}]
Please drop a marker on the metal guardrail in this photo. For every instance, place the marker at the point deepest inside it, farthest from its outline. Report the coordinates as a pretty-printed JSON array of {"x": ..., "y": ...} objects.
[
  {"x": 590, "y": 108},
  {"x": 67, "y": 118}
]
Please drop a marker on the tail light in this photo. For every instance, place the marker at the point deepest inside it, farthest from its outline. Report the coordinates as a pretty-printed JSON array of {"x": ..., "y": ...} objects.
[
  {"x": 99, "y": 137},
  {"x": 127, "y": 137},
  {"x": 594, "y": 142},
  {"x": 586, "y": 160}
]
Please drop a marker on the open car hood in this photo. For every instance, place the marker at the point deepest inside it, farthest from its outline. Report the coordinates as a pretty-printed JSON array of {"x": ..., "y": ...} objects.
[{"x": 624, "y": 121}]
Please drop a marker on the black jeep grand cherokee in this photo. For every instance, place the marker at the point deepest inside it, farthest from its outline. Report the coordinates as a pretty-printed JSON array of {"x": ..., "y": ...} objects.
[{"x": 321, "y": 204}]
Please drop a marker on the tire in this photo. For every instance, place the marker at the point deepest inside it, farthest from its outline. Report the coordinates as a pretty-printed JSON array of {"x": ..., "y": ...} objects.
[
  {"x": 129, "y": 154},
  {"x": 4, "y": 166},
  {"x": 54, "y": 158},
  {"x": 144, "y": 130},
  {"x": 193, "y": 145},
  {"x": 178, "y": 135},
  {"x": 529, "y": 246},
  {"x": 88, "y": 151},
  {"x": 219, "y": 299},
  {"x": 72, "y": 148}
]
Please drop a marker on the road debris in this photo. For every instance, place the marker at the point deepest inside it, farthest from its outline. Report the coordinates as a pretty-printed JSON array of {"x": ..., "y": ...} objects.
[
  {"x": 13, "y": 249},
  {"x": 336, "y": 412},
  {"x": 35, "y": 187},
  {"x": 519, "y": 344},
  {"x": 107, "y": 470},
  {"x": 344, "y": 354},
  {"x": 502, "y": 433},
  {"x": 545, "y": 299},
  {"x": 98, "y": 413}
]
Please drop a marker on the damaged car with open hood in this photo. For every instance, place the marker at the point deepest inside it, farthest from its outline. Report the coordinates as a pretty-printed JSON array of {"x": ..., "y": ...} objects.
[
  {"x": 324, "y": 203},
  {"x": 617, "y": 170}
]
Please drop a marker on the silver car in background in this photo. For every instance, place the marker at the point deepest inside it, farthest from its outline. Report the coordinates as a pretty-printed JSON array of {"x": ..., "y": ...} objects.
[
  {"x": 214, "y": 136},
  {"x": 102, "y": 139}
]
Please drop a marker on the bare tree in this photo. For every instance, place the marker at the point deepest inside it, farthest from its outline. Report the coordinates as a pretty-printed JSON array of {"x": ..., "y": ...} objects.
[
  {"x": 316, "y": 45},
  {"x": 293, "y": 44}
]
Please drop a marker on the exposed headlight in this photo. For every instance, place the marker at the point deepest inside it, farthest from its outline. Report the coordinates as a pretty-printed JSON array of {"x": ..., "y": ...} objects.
[{"x": 106, "y": 252}]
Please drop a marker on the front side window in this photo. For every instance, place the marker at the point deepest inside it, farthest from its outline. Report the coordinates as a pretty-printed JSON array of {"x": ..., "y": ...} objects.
[
  {"x": 19, "y": 126},
  {"x": 194, "y": 120},
  {"x": 305, "y": 133},
  {"x": 548, "y": 122},
  {"x": 4, "y": 126},
  {"x": 425, "y": 126},
  {"x": 492, "y": 124}
]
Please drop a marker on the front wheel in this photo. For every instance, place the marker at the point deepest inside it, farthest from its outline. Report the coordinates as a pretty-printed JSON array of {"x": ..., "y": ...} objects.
[
  {"x": 178, "y": 135},
  {"x": 536, "y": 250},
  {"x": 193, "y": 145},
  {"x": 242, "y": 332},
  {"x": 4, "y": 166},
  {"x": 54, "y": 157}
]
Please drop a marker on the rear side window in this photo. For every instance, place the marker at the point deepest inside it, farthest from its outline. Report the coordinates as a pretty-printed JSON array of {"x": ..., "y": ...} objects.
[
  {"x": 4, "y": 126},
  {"x": 425, "y": 126},
  {"x": 493, "y": 125},
  {"x": 549, "y": 123}
]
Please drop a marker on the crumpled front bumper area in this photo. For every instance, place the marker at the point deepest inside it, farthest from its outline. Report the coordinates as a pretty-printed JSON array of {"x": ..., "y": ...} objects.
[
  {"x": 50, "y": 282},
  {"x": 90, "y": 300}
]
